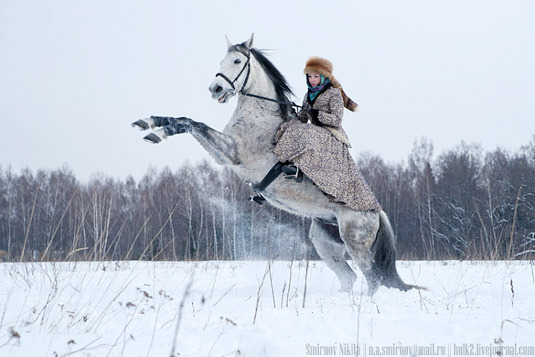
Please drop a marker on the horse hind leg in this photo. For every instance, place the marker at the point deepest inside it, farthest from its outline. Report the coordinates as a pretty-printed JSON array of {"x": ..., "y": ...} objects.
[
  {"x": 358, "y": 231},
  {"x": 332, "y": 250}
]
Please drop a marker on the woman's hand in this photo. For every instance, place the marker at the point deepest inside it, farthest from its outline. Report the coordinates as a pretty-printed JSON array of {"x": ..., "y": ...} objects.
[
  {"x": 303, "y": 118},
  {"x": 313, "y": 113},
  {"x": 310, "y": 114}
]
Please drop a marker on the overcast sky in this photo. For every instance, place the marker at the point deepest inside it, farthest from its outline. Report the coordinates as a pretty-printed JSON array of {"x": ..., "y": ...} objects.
[{"x": 75, "y": 74}]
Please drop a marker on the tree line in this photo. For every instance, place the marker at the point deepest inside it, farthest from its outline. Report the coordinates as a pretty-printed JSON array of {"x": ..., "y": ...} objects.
[{"x": 463, "y": 204}]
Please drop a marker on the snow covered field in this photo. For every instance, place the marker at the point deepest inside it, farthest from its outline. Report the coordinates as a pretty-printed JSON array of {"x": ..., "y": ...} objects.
[{"x": 248, "y": 309}]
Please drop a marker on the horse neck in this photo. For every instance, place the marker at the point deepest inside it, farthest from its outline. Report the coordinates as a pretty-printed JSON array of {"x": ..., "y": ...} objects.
[
  {"x": 259, "y": 84},
  {"x": 254, "y": 125}
]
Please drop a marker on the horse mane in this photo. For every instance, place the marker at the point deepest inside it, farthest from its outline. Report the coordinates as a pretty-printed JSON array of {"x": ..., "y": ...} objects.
[{"x": 282, "y": 88}]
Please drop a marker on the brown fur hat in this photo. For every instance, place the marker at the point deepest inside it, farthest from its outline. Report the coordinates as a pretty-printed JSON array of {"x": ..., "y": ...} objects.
[{"x": 325, "y": 67}]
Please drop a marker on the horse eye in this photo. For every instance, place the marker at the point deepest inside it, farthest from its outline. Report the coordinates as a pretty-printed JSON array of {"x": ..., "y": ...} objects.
[{"x": 237, "y": 61}]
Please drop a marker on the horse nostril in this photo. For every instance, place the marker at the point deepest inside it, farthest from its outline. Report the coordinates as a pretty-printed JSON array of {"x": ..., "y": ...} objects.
[{"x": 218, "y": 89}]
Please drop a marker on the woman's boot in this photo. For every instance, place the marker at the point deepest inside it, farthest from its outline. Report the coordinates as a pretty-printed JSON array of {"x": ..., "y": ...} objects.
[
  {"x": 290, "y": 172},
  {"x": 275, "y": 171}
]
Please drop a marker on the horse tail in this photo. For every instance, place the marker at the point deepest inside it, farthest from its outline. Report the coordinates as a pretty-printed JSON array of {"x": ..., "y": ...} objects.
[{"x": 384, "y": 256}]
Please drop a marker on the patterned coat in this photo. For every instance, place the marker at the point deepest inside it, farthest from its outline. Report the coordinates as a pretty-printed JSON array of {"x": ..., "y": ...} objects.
[{"x": 320, "y": 149}]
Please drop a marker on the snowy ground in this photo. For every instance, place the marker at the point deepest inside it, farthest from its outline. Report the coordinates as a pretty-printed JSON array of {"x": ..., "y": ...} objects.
[{"x": 247, "y": 309}]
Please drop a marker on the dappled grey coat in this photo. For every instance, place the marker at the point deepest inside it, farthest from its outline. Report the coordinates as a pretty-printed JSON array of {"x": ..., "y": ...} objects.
[{"x": 319, "y": 147}]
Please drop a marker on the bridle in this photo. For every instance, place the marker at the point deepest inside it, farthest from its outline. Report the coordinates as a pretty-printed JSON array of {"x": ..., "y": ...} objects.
[
  {"x": 246, "y": 65},
  {"x": 242, "y": 90}
]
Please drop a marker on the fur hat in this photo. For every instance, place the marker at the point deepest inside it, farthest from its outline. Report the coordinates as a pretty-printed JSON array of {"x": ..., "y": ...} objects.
[{"x": 325, "y": 67}]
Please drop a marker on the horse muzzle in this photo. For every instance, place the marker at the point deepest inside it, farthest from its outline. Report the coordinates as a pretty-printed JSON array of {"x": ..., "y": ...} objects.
[{"x": 221, "y": 91}]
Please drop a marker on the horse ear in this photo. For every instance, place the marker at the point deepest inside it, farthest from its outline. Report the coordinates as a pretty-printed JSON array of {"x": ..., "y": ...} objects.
[
  {"x": 249, "y": 43},
  {"x": 229, "y": 44}
]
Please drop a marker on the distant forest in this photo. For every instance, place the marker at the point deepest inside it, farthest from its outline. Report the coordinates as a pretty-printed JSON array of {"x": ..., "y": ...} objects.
[{"x": 463, "y": 204}]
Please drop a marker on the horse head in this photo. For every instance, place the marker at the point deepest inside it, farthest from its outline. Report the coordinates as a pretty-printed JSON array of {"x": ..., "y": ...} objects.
[{"x": 234, "y": 71}]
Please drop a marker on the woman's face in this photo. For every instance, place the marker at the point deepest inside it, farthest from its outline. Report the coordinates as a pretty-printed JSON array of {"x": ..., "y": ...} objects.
[{"x": 314, "y": 79}]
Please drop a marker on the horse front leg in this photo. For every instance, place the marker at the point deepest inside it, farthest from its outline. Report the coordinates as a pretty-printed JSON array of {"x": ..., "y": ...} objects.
[
  {"x": 167, "y": 126},
  {"x": 221, "y": 147}
]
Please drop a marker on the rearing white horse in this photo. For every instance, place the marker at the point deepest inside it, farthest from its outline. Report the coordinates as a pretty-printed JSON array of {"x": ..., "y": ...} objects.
[{"x": 246, "y": 145}]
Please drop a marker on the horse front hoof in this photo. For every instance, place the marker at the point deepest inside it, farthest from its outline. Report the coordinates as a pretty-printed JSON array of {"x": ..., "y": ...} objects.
[
  {"x": 140, "y": 124},
  {"x": 144, "y": 124},
  {"x": 152, "y": 138}
]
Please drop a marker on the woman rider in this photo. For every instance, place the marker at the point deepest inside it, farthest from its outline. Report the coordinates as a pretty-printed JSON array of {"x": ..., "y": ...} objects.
[{"x": 315, "y": 143}]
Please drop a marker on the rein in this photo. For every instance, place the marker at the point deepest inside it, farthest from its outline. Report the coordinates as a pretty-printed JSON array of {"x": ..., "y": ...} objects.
[
  {"x": 270, "y": 99},
  {"x": 242, "y": 90}
]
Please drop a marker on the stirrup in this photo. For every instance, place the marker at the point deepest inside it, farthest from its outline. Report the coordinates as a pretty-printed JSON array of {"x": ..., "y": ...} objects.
[
  {"x": 258, "y": 199},
  {"x": 292, "y": 172}
]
